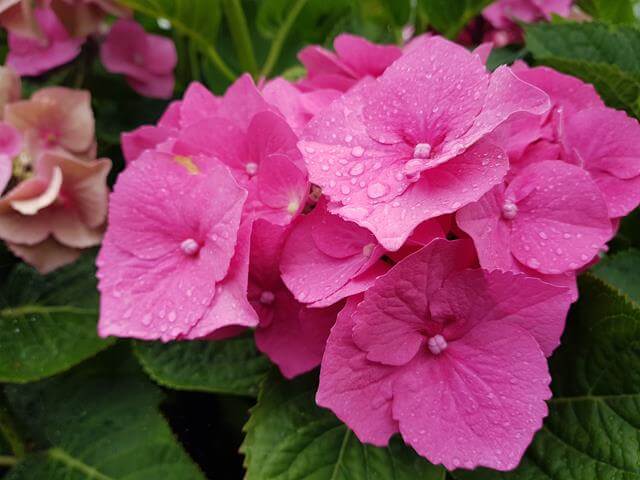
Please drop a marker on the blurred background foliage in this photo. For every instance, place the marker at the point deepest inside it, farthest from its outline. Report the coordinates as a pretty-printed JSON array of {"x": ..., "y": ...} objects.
[{"x": 76, "y": 407}]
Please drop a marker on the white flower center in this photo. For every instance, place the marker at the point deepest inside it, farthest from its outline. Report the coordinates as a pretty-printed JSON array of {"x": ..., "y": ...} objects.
[
  {"x": 509, "y": 210},
  {"x": 437, "y": 344},
  {"x": 190, "y": 246}
]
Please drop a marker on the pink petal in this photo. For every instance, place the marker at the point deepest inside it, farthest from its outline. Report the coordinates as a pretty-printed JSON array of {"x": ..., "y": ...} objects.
[
  {"x": 143, "y": 138},
  {"x": 561, "y": 220},
  {"x": 241, "y": 102},
  {"x": 45, "y": 256},
  {"x": 389, "y": 324},
  {"x": 363, "y": 57},
  {"x": 359, "y": 392},
  {"x": 479, "y": 402},
  {"x": 161, "y": 56},
  {"x": 309, "y": 273},
  {"x": 230, "y": 307},
  {"x": 478, "y": 296},
  {"x": 33, "y": 56},
  {"x": 197, "y": 104},
  {"x": 10, "y": 141},
  {"x": 153, "y": 284},
  {"x": 296, "y": 341},
  {"x": 160, "y": 86},
  {"x": 491, "y": 234},
  {"x": 269, "y": 133},
  {"x": 6, "y": 171},
  {"x": 605, "y": 142},
  {"x": 439, "y": 191},
  {"x": 282, "y": 186},
  {"x": 33, "y": 205}
]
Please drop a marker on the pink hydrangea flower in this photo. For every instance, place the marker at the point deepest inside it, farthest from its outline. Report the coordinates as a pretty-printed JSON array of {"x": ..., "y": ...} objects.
[
  {"x": 173, "y": 266},
  {"x": 326, "y": 258},
  {"x": 450, "y": 356},
  {"x": 297, "y": 107},
  {"x": 396, "y": 151},
  {"x": 10, "y": 88},
  {"x": 551, "y": 217},
  {"x": 17, "y": 17},
  {"x": 55, "y": 47},
  {"x": 606, "y": 143},
  {"x": 355, "y": 59},
  {"x": 504, "y": 16},
  {"x": 258, "y": 146},
  {"x": 49, "y": 217},
  {"x": 146, "y": 60},
  {"x": 290, "y": 334},
  {"x": 84, "y": 17},
  {"x": 55, "y": 118}
]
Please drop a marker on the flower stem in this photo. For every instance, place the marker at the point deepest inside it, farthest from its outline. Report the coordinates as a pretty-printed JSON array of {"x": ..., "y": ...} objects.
[
  {"x": 8, "y": 461},
  {"x": 240, "y": 34},
  {"x": 9, "y": 431},
  {"x": 276, "y": 45}
]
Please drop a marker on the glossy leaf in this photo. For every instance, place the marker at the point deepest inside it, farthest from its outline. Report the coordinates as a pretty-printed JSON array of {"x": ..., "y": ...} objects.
[
  {"x": 48, "y": 323},
  {"x": 232, "y": 366},
  {"x": 98, "y": 422},
  {"x": 449, "y": 17},
  {"x": 593, "y": 428},
  {"x": 289, "y": 437}
]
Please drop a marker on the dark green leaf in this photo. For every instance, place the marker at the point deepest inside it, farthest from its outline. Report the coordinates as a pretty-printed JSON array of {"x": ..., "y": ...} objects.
[
  {"x": 449, "y": 17},
  {"x": 231, "y": 366},
  {"x": 593, "y": 428},
  {"x": 289, "y": 437},
  {"x": 48, "y": 323},
  {"x": 615, "y": 11},
  {"x": 399, "y": 11},
  {"x": 98, "y": 422},
  {"x": 622, "y": 271},
  {"x": 602, "y": 54}
]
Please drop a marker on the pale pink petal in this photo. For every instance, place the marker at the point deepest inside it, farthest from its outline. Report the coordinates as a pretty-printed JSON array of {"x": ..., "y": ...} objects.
[
  {"x": 6, "y": 171},
  {"x": 45, "y": 256},
  {"x": 33, "y": 205},
  {"x": 359, "y": 392},
  {"x": 10, "y": 141},
  {"x": 479, "y": 402}
]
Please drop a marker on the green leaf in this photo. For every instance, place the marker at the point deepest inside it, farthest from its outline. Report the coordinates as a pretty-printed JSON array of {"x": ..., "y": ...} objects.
[
  {"x": 449, "y": 17},
  {"x": 621, "y": 271},
  {"x": 198, "y": 20},
  {"x": 232, "y": 366},
  {"x": 289, "y": 437},
  {"x": 98, "y": 422},
  {"x": 398, "y": 10},
  {"x": 602, "y": 54},
  {"x": 593, "y": 428},
  {"x": 48, "y": 323},
  {"x": 615, "y": 11}
]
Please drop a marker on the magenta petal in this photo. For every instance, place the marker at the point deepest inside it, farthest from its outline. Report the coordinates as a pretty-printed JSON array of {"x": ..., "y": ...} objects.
[
  {"x": 491, "y": 233},
  {"x": 309, "y": 273},
  {"x": 296, "y": 338},
  {"x": 605, "y": 142},
  {"x": 143, "y": 138},
  {"x": 359, "y": 392},
  {"x": 282, "y": 188},
  {"x": 479, "y": 402},
  {"x": 562, "y": 219},
  {"x": 363, "y": 57},
  {"x": 390, "y": 323},
  {"x": 478, "y": 296},
  {"x": 197, "y": 104},
  {"x": 230, "y": 308},
  {"x": 439, "y": 191}
]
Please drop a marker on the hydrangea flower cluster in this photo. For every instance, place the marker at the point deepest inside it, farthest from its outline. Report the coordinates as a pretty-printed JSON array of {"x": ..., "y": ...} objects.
[
  {"x": 404, "y": 218},
  {"x": 44, "y": 34},
  {"x": 53, "y": 190}
]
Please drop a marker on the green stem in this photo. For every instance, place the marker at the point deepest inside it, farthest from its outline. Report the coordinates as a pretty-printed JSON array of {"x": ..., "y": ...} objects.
[
  {"x": 7, "y": 461},
  {"x": 276, "y": 45},
  {"x": 8, "y": 429},
  {"x": 240, "y": 34}
]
